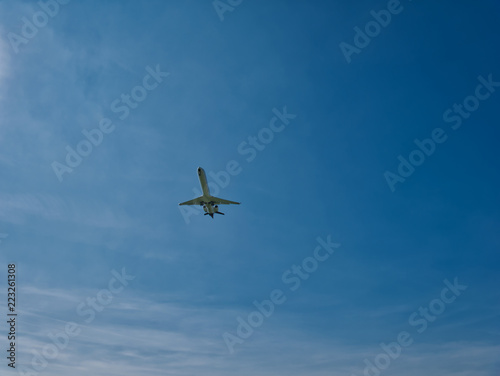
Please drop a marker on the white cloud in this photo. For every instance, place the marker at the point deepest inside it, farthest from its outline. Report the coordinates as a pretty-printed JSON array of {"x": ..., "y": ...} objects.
[{"x": 169, "y": 335}]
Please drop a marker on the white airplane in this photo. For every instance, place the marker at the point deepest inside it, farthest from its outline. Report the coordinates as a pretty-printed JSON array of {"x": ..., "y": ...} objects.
[{"x": 210, "y": 203}]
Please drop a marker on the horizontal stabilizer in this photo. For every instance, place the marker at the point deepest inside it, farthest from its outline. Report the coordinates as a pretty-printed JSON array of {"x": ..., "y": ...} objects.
[
  {"x": 219, "y": 201},
  {"x": 196, "y": 201}
]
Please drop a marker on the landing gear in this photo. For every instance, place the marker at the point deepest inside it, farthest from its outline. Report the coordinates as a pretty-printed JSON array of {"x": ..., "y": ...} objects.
[
  {"x": 216, "y": 210},
  {"x": 208, "y": 206}
]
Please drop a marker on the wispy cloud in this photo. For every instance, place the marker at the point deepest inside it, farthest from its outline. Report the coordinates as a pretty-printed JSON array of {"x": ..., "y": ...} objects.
[
  {"x": 17, "y": 207},
  {"x": 181, "y": 338}
]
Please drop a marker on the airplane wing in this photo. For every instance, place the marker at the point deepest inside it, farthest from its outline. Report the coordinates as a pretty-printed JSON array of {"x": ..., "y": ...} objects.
[
  {"x": 221, "y": 201},
  {"x": 196, "y": 201}
]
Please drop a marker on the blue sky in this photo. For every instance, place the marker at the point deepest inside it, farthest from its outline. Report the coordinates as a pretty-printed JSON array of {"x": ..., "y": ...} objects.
[{"x": 324, "y": 175}]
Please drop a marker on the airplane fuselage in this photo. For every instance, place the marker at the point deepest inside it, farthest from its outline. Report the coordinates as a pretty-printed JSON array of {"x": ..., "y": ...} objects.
[
  {"x": 203, "y": 181},
  {"x": 208, "y": 206}
]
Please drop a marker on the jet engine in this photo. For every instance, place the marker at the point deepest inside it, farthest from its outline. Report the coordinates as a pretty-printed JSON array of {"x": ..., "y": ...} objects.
[
  {"x": 205, "y": 208},
  {"x": 216, "y": 208}
]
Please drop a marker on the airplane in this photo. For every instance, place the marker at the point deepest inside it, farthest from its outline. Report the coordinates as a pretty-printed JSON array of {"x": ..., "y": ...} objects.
[{"x": 210, "y": 203}]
